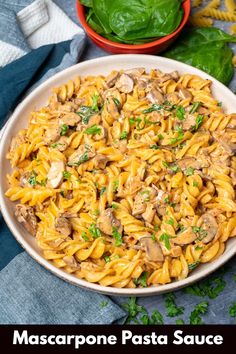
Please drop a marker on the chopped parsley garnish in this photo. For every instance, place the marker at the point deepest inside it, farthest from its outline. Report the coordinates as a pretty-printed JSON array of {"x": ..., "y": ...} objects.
[
  {"x": 85, "y": 113},
  {"x": 64, "y": 129},
  {"x": 154, "y": 147},
  {"x": 156, "y": 318},
  {"x": 154, "y": 107},
  {"x": 193, "y": 265},
  {"x": 195, "y": 107},
  {"x": 135, "y": 120},
  {"x": 94, "y": 129},
  {"x": 94, "y": 231},
  {"x": 234, "y": 277},
  {"x": 146, "y": 195},
  {"x": 134, "y": 310},
  {"x": 115, "y": 185},
  {"x": 83, "y": 158},
  {"x": 117, "y": 236},
  {"x": 95, "y": 99},
  {"x": 123, "y": 135},
  {"x": 166, "y": 239},
  {"x": 102, "y": 190},
  {"x": 153, "y": 237},
  {"x": 103, "y": 304},
  {"x": 210, "y": 287},
  {"x": 232, "y": 310},
  {"x": 165, "y": 164},
  {"x": 189, "y": 171},
  {"x": 199, "y": 121},
  {"x": 32, "y": 179},
  {"x": 172, "y": 309},
  {"x": 179, "y": 321},
  {"x": 178, "y": 138},
  {"x": 142, "y": 280},
  {"x": 55, "y": 145},
  {"x": 107, "y": 259},
  {"x": 180, "y": 112},
  {"x": 170, "y": 221},
  {"x": 198, "y": 248},
  {"x": 116, "y": 101},
  {"x": 85, "y": 236},
  {"x": 219, "y": 104},
  {"x": 167, "y": 200},
  {"x": 200, "y": 309},
  {"x": 66, "y": 175},
  {"x": 160, "y": 136},
  {"x": 174, "y": 168},
  {"x": 201, "y": 232},
  {"x": 62, "y": 193},
  {"x": 195, "y": 184},
  {"x": 114, "y": 206},
  {"x": 156, "y": 227}
]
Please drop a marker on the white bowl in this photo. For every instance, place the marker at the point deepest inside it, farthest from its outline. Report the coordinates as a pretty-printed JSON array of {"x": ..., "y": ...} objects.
[{"x": 38, "y": 98}]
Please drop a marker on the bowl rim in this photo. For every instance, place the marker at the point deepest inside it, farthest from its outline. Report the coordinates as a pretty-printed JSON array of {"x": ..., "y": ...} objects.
[
  {"x": 11, "y": 222},
  {"x": 81, "y": 14}
]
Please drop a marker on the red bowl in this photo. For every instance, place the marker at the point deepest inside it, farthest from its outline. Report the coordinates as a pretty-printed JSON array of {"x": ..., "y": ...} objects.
[{"x": 118, "y": 48}]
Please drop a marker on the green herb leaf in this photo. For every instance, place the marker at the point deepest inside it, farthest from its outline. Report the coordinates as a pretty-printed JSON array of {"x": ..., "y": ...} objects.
[
  {"x": 199, "y": 121},
  {"x": 85, "y": 236},
  {"x": 142, "y": 280},
  {"x": 95, "y": 99},
  {"x": 116, "y": 101},
  {"x": 117, "y": 236},
  {"x": 32, "y": 179},
  {"x": 103, "y": 190},
  {"x": 85, "y": 112},
  {"x": 114, "y": 206},
  {"x": 195, "y": 184},
  {"x": 107, "y": 259},
  {"x": 195, "y": 107},
  {"x": 172, "y": 309},
  {"x": 133, "y": 309},
  {"x": 115, "y": 185},
  {"x": 94, "y": 129},
  {"x": 154, "y": 147},
  {"x": 154, "y": 107},
  {"x": 81, "y": 160},
  {"x": 123, "y": 135},
  {"x": 64, "y": 129},
  {"x": 193, "y": 265},
  {"x": 201, "y": 232},
  {"x": 66, "y": 175},
  {"x": 232, "y": 310},
  {"x": 170, "y": 221},
  {"x": 160, "y": 136},
  {"x": 178, "y": 138},
  {"x": 210, "y": 287},
  {"x": 189, "y": 171},
  {"x": 180, "y": 112},
  {"x": 200, "y": 309},
  {"x": 94, "y": 231},
  {"x": 166, "y": 239},
  {"x": 103, "y": 304},
  {"x": 179, "y": 321}
]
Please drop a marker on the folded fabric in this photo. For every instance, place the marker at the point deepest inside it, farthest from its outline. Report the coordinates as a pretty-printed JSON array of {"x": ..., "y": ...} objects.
[
  {"x": 29, "y": 294},
  {"x": 29, "y": 24}
]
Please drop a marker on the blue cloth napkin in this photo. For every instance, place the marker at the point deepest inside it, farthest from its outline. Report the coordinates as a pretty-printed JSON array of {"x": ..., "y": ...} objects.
[{"x": 28, "y": 292}]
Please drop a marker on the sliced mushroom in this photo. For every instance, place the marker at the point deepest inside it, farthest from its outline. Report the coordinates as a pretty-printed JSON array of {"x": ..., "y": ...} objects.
[
  {"x": 185, "y": 94},
  {"x": 225, "y": 140},
  {"x": 63, "y": 226},
  {"x": 70, "y": 261},
  {"x": 102, "y": 134},
  {"x": 107, "y": 221},
  {"x": 100, "y": 161},
  {"x": 125, "y": 83},
  {"x": 112, "y": 108},
  {"x": 172, "y": 97},
  {"x": 143, "y": 82},
  {"x": 189, "y": 122},
  {"x": 149, "y": 213},
  {"x": 70, "y": 119},
  {"x": 174, "y": 75},
  {"x": 25, "y": 215},
  {"x": 210, "y": 226},
  {"x": 154, "y": 96},
  {"x": 69, "y": 215},
  {"x": 112, "y": 78},
  {"x": 62, "y": 144},
  {"x": 152, "y": 248},
  {"x": 186, "y": 237},
  {"x": 81, "y": 155},
  {"x": 139, "y": 205},
  {"x": 197, "y": 164},
  {"x": 55, "y": 174},
  {"x": 52, "y": 134},
  {"x": 135, "y": 73}
]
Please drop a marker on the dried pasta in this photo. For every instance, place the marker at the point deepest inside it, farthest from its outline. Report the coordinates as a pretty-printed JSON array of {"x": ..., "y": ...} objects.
[
  {"x": 230, "y": 6},
  {"x": 127, "y": 177}
]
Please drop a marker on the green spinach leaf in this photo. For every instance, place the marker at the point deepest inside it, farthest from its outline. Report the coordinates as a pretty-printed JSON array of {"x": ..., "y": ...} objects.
[{"x": 216, "y": 60}]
